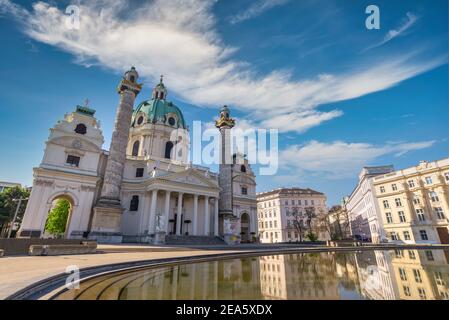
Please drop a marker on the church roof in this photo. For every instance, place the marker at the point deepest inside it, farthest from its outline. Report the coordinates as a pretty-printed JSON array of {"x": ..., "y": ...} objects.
[{"x": 158, "y": 109}]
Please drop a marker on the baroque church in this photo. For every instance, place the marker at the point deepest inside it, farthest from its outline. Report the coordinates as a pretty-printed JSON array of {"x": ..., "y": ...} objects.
[{"x": 143, "y": 189}]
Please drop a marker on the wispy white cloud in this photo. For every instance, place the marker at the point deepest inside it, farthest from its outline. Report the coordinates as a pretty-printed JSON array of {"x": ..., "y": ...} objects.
[
  {"x": 405, "y": 25},
  {"x": 341, "y": 159},
  {"x": 256, "y": 9},
  {"x": 177, "y": 38}
]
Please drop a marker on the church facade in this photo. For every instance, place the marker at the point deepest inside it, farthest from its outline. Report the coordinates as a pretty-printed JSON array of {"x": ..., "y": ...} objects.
[{"x": 143, "y": 189}]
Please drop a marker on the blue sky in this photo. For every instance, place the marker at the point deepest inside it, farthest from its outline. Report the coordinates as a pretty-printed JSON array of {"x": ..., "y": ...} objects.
[{"x": 342, "y": 96}]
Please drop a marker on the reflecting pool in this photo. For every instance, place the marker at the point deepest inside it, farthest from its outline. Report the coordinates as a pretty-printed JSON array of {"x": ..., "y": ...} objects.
[{"x": 399, "y": 274}]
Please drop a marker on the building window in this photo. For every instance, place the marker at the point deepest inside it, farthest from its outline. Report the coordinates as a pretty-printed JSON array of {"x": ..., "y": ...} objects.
[
  {"x": 402, "y": 274},
  {"x": 411, "y": 183},
  {"x": 416, "y": 200},
  {"x": 382, "y": 189},
  {"x": 406, "y": 235},
  {"x": 293, "y": 202},
  {"x": 386, "y": 204},
  {"x": 73, "y": 160},
  {"x": 306, "y": 203},
  {"x": 439, "y": 279},
  {"x": 422, "y": 293},
  {"x": 434, "y": 196},
  {"x": 428, "y": 180},
  {"x": 402, "y": 216},
  {"x": 168, "y": 149},
  {"x": 244, "y": 191},
  {"x": 299, "y": 202},
  {"x": 411, "y": 255},
  {"x": 135, "y": 151},
  {"x": 398, "y": 202},
  {"x": 242, "y": 168},
  {"x": 286, "y": 202},
  {"x": 140, "y": 120},
  {"x": 134, "y": 204},
  {"x": 439, "y": 212},
  {"x": 312, "y": 202},
  {"x": 81, "y": 128},
  {"x": 429, "y": 255},
  {"x": 407, "y": 291},
  {"x": 394, "y": 187},
  {"x": 420, "y": 215},
  {"x": 417, "y": 275},
  {"x": 394, "y": 236},
  {"x": 446, "y": 176},
  {"x": 171, "y": 121},
  {"x": 423, "y": 235},
  {"x": 275, "y": 223},
  {"x": 389, "y": 218},
  {"x": 139, "y": 172}
]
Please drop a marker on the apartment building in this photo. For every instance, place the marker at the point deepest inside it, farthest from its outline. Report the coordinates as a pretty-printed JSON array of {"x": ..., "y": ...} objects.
[
  {"x": 362, "y": 207},
  {"x": 278, "y": 209},
  {"x": 414, "y": 203}
]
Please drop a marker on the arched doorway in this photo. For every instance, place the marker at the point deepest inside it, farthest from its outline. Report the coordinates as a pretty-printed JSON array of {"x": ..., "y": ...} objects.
[
  {"x": 58, "y": 218},
  {"x": 244, "y": 228}
]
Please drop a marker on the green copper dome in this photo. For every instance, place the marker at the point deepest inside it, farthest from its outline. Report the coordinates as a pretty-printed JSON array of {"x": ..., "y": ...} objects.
[{"x": 158, "y": 111}]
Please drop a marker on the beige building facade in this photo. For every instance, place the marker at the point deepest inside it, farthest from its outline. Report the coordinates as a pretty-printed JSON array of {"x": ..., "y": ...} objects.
[
  {"x": 414, "y": 203},
  {"x": 278, "y": 209}
]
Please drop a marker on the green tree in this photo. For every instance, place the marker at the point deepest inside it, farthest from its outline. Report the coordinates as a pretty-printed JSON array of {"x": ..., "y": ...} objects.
[
  {"x": 57, "y": 218},
  {"x": 8, "y": 205}
]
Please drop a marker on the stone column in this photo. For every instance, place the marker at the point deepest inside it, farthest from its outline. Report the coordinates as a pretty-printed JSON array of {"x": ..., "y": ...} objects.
[
  {"x": 167, "y": 210},
  {"x": 216, "y": 217},
  {"x": 206, "y": 216},
  {"x": 179, "y": 213},
  {"x": 195, "y": 215},
  {"x": 106, "y": 223},
  {"x": 151, "y": 226}
]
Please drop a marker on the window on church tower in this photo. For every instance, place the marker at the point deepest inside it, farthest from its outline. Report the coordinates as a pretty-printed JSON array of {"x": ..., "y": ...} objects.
[
  {"x": 134, "y": 204},
  {"x": 81, "y": 128},
  {"x": 243, "y": 168},
  {"x": 244, "y": 190},
  {"x": 73, "y": 160},
  {"x": 139, "y": 172},
  {"x": 136, "y": 146},
  {"x": 171, "y": 121},
  {"x": 168, "y": 149}
]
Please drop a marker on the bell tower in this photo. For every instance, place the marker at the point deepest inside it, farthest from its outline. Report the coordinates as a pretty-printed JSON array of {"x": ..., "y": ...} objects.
[{"x": 106, "y": 223}]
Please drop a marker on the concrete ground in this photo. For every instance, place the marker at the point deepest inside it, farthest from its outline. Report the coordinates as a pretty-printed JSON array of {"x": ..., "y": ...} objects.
[{"x": 18, "y": 272}]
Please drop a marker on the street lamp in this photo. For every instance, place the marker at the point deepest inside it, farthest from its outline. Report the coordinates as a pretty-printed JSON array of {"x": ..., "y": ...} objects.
[{"x": 15, "y": 214}]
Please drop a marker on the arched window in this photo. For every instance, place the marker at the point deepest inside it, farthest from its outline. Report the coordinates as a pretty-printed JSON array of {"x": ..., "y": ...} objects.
[
  {"x": 162, "y": 95},
  {"x": 81, "y": 128},
  {"x": 168, "y": 149},
  {"x": 134, "y": 204},
  {"x": 132, "y": 79},
  {"x": 136, "y": 146},
  {"x": 243, "y": 168}
]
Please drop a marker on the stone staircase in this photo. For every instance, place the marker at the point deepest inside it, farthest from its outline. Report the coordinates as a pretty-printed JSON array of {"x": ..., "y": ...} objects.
[{"x": 193, "y": 240}]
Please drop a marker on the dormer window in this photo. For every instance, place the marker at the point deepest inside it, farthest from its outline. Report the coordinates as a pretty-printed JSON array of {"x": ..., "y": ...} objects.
[
  {"x": 171, "y": 121},
  {"x": 81, "y": 128},
  {"x": 140, "y": 120}
]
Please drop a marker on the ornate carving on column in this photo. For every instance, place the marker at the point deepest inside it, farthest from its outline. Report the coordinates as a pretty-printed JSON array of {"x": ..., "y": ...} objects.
[
  {"x": 225, "y": 124},
  {"x": 108, "y": 210}
]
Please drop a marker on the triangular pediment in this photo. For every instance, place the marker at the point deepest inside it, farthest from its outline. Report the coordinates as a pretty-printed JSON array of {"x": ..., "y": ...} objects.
[{"x": 192, "y": 177}]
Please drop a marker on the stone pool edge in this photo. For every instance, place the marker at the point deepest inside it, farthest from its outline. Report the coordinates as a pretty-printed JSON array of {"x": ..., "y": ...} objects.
[{"x": 48, "y": 288}]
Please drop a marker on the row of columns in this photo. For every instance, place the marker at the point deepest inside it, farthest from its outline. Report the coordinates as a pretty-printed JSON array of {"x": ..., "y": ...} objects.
[{"x": 153, "y": 207}]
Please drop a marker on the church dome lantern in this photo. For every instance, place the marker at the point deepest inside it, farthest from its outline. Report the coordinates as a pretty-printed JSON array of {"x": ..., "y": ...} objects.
[{"x": 159, "y": 110}]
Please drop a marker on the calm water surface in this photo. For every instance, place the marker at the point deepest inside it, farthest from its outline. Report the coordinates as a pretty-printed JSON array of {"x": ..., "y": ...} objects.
[{"x": 400, "y": 274}]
